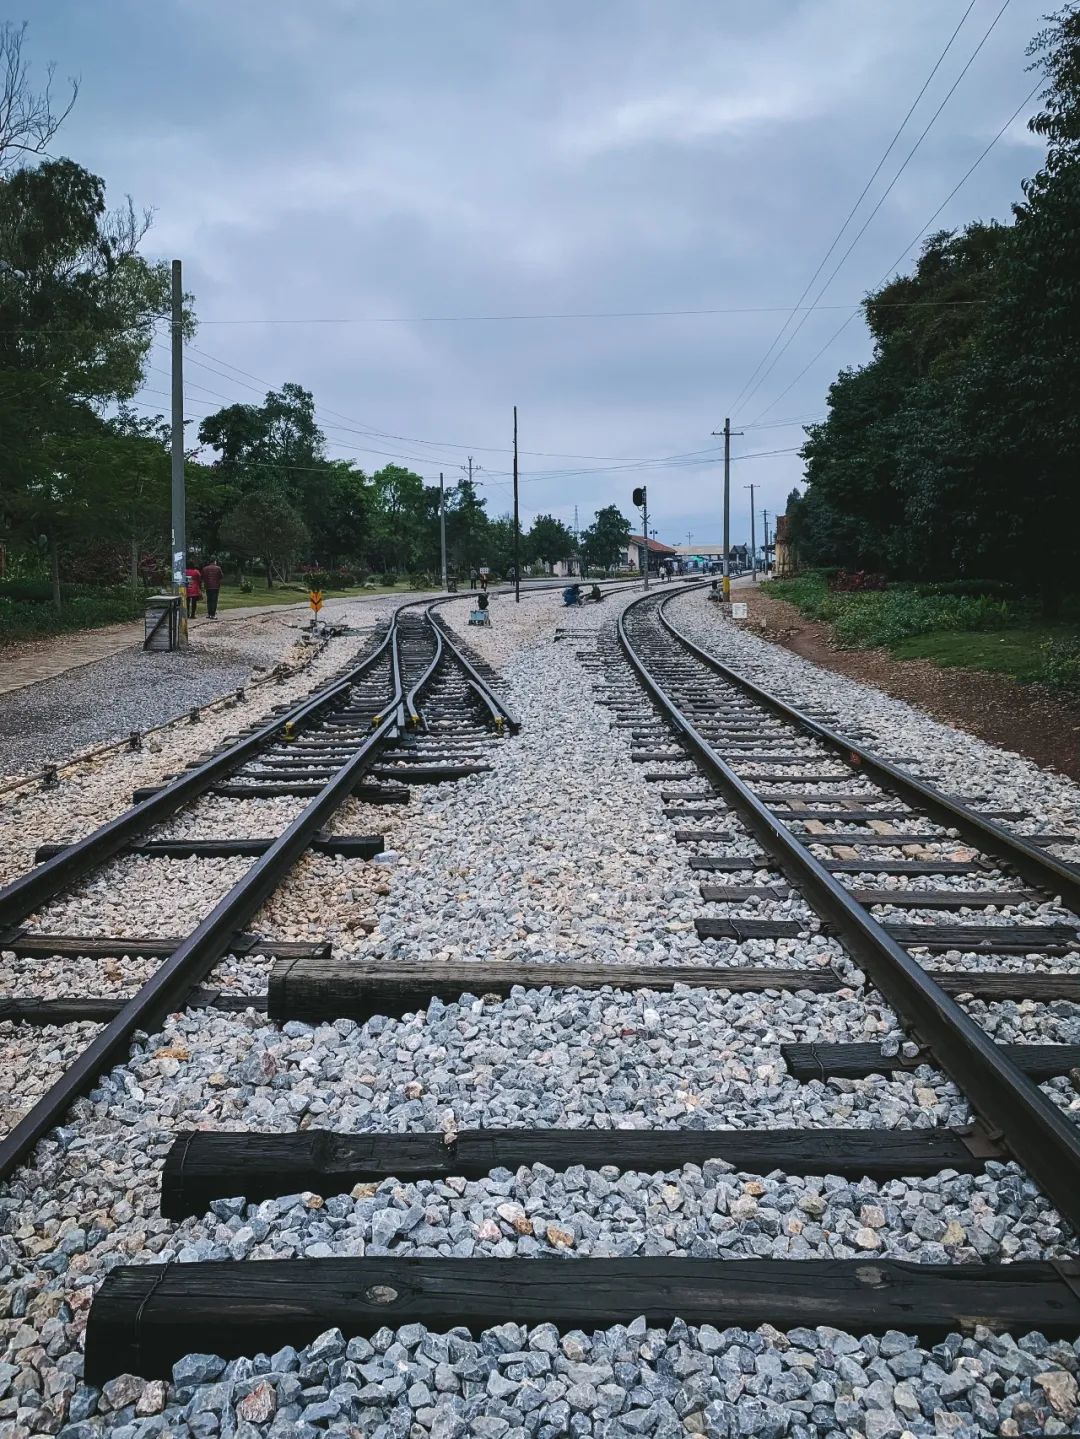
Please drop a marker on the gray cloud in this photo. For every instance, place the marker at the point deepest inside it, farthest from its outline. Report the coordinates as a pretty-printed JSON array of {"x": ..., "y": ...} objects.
[{"x": 337, "y": 160}]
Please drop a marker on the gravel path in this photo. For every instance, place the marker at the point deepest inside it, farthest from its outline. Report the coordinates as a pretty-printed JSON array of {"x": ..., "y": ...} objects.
[
  {"x": 561, "y": 853},
  {"x": 105, "y": 700}
]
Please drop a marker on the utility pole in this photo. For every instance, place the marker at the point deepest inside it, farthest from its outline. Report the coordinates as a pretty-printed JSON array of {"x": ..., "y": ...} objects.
[
  {"x": 645, "y": 521},
  {"x": 753, "y": 536},
  {"x": 577, "y": 539},
  {"x": 765, "y": 517},
  {"x": 179, "y": 516},
  {"x": 517, "y": 522},
  {"x": 727, "y": 432},
  {"x": 442, "y": 526}
]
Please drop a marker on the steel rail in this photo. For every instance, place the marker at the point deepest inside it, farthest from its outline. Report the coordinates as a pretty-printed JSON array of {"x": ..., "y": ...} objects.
[
  {"x": 29, "y": 891},
  {"x": 174, "y": 979},
  {"x": 499, "y": 711},
  {"x": 1055, "y": 876},
  {"x": 194, "y": 958},
  {"x": 1034, "y": 1130},
  {"x": 410, "y": 712}
]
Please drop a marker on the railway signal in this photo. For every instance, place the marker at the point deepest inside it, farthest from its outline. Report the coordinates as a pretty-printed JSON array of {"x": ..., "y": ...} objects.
[{"x": 640, "y": 498}]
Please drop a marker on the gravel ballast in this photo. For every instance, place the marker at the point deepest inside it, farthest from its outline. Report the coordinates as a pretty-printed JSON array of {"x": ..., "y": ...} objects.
[{"x": 561, "y": 853}]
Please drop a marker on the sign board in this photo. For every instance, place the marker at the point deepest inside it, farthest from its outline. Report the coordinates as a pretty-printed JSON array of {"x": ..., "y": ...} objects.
[
  {"x": 738, "y": 610},
  {"x": 485, "y": 570},
  {"x": 315, "y": 600}
]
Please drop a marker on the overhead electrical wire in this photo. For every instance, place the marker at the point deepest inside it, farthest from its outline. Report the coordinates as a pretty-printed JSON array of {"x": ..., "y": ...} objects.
[
  {"x": 733, "y": 408},
  {"x": 877, "y": 206},
  {"x": 908, "y": 247}
]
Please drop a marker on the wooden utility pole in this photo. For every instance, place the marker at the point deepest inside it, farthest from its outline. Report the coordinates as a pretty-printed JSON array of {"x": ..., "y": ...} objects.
[
  {"x": 176, "y": 446},
  {"x": 442, "y": 527},
  {"x": 517, "y": 521},
  {"x": 727, "y": 432},
  {"x": 753, "y": 533}
]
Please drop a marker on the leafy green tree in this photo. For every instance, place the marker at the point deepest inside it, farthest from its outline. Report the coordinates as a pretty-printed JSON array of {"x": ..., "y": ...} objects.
[
  {"x": 77, "y": 311},
  {"x": 499, "y": 544},
  {"x": 263, "y": 525},
  {"x": 606, "y": 538},
  {"x": 549, "y": 541},
  {"x": 466, "y": 528},
  {"x": 275, "y": 446},
  {"x": 404, "y": 531}
]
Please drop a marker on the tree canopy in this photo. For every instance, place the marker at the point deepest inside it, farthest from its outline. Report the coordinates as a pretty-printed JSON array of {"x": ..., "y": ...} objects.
[
  {"x": 604, "y": 541},
  {"x": 954, "y": 451}
]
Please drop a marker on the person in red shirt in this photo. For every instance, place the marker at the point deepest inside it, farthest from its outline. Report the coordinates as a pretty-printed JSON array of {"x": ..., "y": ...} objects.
[
  {"x": 212, "y": 577},
  {"x": 194, "y": 591}
]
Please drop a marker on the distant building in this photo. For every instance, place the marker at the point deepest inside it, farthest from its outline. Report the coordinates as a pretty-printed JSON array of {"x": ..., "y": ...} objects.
[
  {"x": 709, "y": 557},
  {"x": 785, "y": 559},
  {"x": 659, "y": 554}
]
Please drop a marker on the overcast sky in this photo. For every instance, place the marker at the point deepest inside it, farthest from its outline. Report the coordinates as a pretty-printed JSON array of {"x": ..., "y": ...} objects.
[{"x": 322, "y": 164}]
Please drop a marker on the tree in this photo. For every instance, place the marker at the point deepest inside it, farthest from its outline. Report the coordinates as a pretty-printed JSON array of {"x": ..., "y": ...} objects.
[
  {"x": 263, "y": 525},
  {"x": 27, "y": 119},
  {"x": 77, "y": 310},
  {"x": 275, "y": 446},
  {"x": 404, "y": 532},
  {"x": 466, "y": 527},
  {"x": 549, "y": 540},
  {"x": 499, "y": 544},
  {"x": 606, "y": 538}
]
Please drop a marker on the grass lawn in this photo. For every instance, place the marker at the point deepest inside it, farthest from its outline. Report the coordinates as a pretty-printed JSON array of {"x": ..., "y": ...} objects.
[
  {"x": 1013, "y": 652},
  {"x": 233, "y": 598}
]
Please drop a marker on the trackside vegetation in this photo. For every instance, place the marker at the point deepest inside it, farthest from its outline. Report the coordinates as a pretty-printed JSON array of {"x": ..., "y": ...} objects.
[{"x": 955, "y": 451}]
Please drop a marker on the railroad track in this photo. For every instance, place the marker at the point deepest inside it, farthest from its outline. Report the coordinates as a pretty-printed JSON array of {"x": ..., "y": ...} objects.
[
  {"x": 766, "y": 762},
  {"x": 751, "y": 760},
  {"x": 415, "y": 709}
]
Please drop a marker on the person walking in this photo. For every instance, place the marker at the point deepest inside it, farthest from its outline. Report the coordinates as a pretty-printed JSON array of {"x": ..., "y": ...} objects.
[
  {"x": 194, "y": 591},
  {"x": 212, "y": 577}
]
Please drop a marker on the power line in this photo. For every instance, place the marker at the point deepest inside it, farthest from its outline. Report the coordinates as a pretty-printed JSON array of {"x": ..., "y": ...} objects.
[
  {"x": 851, "y": 213},
  {"x": 366, "y": 430},
  {"x": 959, "y": 184},
  {"x": 881, "y": 200},
  {"x": 451, "y": 319}
]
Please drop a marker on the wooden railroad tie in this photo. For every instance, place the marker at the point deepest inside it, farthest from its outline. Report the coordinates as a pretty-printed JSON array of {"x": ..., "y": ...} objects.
[
  {"x": 347, "y": 846},
  {"x": 902, "y": 899},
  {"x": 145, "y": 1317},
  {"x": 414, "y": 773},
  {"x": 858, "y": 1061},
  {"x": 316, "y": 989},
  {"x": 29, "y": 944},
  {"x": 984, "y": 938},
  {"x": 368, "y": 793},
  {"x": 203, "y": 1166}
]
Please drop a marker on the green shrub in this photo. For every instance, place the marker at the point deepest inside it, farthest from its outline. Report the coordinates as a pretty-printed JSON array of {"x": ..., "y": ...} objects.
[
  {"x": 991, "y": 589},
  {"x": 389, "y": 578},
  {"x": 421, "y": 580},
  {"x": 861, "y": 619},
  {"x": 82, "y": 611},
  {"x": 31, "y": 591},
  {"x": 1061, "y": 664}
]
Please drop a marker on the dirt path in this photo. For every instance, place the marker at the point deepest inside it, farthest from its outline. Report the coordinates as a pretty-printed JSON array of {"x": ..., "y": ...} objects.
[{"x": 1029, "y": 719}]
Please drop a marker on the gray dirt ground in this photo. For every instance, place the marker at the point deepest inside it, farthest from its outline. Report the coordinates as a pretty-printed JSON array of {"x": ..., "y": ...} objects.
[{"x": 108, "y": 698}]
